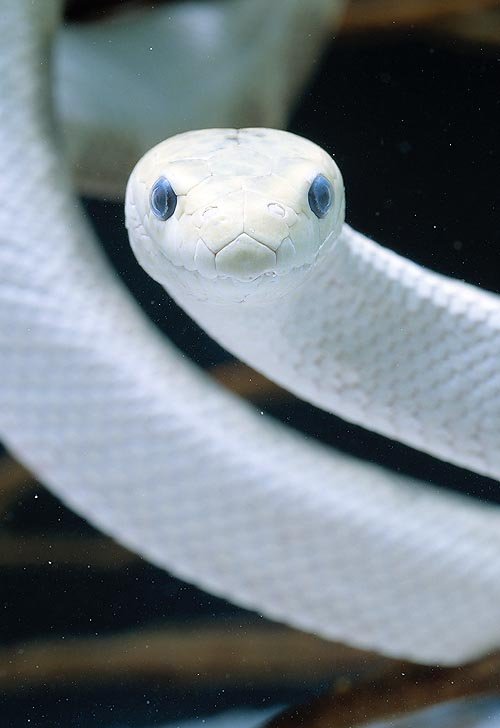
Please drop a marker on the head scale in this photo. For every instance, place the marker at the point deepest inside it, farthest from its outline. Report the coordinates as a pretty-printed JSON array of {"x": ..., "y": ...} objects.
[{"x": 234, "y": 215}]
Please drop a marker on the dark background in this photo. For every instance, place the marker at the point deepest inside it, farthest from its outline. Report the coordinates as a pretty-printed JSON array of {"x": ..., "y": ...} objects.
[{"x": 413, "y": 122}]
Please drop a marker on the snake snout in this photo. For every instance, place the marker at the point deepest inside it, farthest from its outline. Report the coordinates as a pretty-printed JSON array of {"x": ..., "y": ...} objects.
[
  {"x": 242, "y": 234},
  {"x": 245, "y": 259}
]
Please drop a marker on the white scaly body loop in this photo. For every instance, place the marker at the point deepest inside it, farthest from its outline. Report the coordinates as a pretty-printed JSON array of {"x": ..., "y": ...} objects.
[{"x": 119, "y": 426}]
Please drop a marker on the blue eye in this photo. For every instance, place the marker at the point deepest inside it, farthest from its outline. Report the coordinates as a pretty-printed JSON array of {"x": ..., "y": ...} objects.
[
  {"x": 163, "y": 199},
  {"x": 320, "y": 196}
]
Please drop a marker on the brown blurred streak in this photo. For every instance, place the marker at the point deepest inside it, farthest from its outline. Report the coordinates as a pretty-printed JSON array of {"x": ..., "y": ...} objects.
[
  {"x": 481, "y": 29},
  {"x": 379, "y": 15},
  {"x": 14, "y": 478},
  {"x": 22, "y": 550},
  {"x": 12, "y": 474},
  {"x": 360, "y": 15},
  {"x": 202, "y": 653},
  {"x": 245, "y": 381},
  {"x": 406, "y": 689}
]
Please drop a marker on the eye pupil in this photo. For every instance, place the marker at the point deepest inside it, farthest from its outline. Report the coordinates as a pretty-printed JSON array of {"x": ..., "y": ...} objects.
[
  {"x": 320, "y": 196},
  {"x": 163, "y": 199}
]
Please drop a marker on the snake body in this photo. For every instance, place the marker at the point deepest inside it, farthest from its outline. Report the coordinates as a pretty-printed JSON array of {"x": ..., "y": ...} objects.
[
  {"x": 124, "y": 430},
  {"x": 326, "y": 312}
]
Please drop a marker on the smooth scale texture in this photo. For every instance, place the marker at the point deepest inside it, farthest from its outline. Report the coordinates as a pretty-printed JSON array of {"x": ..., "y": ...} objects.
[{"x": 116, "y": 422}]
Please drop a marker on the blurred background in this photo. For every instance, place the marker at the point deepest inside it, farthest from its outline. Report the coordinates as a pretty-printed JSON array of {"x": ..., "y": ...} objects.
[{"x": 406, "y": 95}]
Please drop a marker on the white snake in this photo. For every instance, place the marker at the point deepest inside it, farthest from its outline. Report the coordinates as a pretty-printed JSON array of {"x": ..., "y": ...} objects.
[{"x": 128, "y": 433}]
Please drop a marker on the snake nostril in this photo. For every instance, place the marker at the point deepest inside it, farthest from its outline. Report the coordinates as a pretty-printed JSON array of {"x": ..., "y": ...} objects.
[
  {"x": 210, "y": 212},
  {"x": 276, "y": 209}
]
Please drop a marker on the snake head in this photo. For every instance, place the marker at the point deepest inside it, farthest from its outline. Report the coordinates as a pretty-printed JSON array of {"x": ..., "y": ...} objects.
[{"x": 233, "y": 215}]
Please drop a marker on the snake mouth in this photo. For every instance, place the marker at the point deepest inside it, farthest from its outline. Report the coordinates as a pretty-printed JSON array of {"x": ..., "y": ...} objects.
[
  {"x": 246, "y": 259},
  {"x": 198, "y": 272},
  {"x": 224, "y": 288},
  {"x": 221, "y": 287},
  {"x": 191, "y": 274},
  {"x": 240, "y": 278}
]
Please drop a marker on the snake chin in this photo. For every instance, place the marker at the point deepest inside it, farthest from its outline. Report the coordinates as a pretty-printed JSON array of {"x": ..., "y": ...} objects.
[
  {"x": 241, "y": 287},
  {"x": 186, "y": 277},
  {"x": 225, "y": 289}
]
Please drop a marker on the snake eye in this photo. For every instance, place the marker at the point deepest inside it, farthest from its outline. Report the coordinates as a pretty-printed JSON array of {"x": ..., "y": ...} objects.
[
  {"x": 320, "y": 196},
  {"x": 163, "y": 199}
]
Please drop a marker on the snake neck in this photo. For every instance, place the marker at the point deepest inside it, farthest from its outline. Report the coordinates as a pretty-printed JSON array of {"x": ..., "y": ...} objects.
[{"x": 373, "y": 337}]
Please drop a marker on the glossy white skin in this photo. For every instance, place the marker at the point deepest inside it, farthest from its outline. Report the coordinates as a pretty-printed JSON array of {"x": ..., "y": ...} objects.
[{"x": 125, "y": 431}]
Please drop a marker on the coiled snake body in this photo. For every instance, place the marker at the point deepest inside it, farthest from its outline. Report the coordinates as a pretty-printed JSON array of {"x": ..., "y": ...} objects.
[{"x": 138, "y": 441}]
